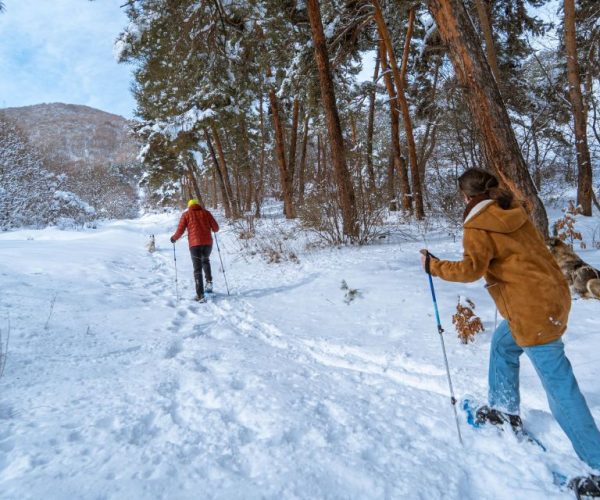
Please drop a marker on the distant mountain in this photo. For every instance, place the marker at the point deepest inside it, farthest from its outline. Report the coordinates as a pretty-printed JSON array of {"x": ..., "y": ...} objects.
[
  {"x": 73, "y": 135},
  {"x": 95, "y": 149}
]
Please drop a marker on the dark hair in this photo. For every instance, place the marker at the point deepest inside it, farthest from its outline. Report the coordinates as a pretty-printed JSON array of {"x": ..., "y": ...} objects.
[{"x": 475, "y": 181}]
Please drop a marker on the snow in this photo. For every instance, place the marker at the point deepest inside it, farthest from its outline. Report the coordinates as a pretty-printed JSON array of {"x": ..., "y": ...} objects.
[
  {"x": 116, "y": 389},
  {"x": 182, "y": 123}
]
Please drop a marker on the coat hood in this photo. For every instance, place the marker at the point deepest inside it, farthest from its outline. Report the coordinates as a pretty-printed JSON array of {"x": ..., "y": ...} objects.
[{"x": 488, "y": 216}]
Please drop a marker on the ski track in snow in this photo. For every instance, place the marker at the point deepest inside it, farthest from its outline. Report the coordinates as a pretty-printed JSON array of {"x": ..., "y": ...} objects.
[{"x": 116, "y": 388}]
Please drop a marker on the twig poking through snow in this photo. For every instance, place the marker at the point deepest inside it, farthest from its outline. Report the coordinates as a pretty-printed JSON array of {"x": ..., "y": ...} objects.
[
  {"x": 51, "y": 310},
  {"x": 351, "y": 293},
  {"x": 4, "y": 348}
]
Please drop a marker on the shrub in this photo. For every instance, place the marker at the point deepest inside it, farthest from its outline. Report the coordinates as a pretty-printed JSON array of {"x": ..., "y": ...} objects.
[
  {"x": 466, "y": 322},
  {"x": 564, "y": 228}
]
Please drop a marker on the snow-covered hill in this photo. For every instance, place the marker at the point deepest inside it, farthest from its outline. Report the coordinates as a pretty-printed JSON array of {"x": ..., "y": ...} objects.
[
  {"x": 76, "y": 136},
  {"x": 116, "y": 389},
  {"x": 96, "y": 150}
]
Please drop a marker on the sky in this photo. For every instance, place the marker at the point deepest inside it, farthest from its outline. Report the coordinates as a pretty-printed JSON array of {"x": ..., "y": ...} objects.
[{"x": 62, "y": 51}]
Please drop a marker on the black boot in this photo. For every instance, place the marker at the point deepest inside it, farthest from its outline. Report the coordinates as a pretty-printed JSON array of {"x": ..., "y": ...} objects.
[
  {"x": 487, "y": 415},
  {"x": 586, "y": 486}
]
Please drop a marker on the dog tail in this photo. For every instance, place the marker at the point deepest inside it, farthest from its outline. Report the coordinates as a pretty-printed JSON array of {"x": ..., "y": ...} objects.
[{"x": 593, "y": 287}]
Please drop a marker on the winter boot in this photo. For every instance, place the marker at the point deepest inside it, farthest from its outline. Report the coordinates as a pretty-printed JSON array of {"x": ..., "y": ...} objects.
[
  {"x": 487, "y": 415},
  {"x": 200, "y": 298},
  {"x": 208, "y": 288},
  {"x": 586, "y": 486}
]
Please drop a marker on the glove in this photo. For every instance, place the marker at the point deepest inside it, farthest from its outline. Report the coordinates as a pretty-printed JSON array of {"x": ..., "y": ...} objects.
[
  {"x": 428, "y": 256},
  {"x": 173, "y": 240}
]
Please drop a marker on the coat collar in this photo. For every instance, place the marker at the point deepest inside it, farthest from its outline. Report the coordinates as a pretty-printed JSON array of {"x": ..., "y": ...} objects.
[{"x": 477, "y": 209}]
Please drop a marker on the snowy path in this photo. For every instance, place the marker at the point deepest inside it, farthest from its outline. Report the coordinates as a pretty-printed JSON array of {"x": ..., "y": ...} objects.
[{"x": 115, "y": 389}]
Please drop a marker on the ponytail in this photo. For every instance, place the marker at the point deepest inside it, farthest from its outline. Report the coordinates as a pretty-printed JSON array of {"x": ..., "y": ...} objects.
[
  {"x": 476, "y": 182},
  {"x": 503, "y": 197}
]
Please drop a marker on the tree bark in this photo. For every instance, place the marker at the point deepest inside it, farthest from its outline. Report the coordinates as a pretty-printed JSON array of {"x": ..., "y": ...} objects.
[
  {"x": 230, "y": 210},
  {"x": 302, "y": 170},
  {"x": 191, "y": 166},
  {"x": 338, "y": 150},
  {"x": 584, "y": 165},
  {"x": 215, "y": 196},
  {"x": 234, "y": 171},
  {"x": 402, "y": 102},
  {"x": 371, "y": 125},
  {"x": 397, "y": 161},
  {"x": 490, "y": 49},
  {"x": 259, "y": 189},
  {"x": 496, "y": 136},
  {"x": 319, "y": 174},
  {"x": 429, "y": 137},
  {"x": 249, "y": 171},
  {"x": 284, "y": 172},
  {"x": 293, "y": 142},
  {"x": 217, "y": 170}
]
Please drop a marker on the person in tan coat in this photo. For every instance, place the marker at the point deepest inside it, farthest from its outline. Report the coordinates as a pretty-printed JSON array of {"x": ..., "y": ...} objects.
[{"x": 503, "y": 246}]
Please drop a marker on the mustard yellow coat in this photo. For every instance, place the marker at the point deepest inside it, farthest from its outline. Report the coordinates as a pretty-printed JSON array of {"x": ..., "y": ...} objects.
[{"x": 521, "y": 274}]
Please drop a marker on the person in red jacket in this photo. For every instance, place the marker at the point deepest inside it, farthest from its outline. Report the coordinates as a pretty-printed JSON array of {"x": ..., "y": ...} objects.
[{"x": 199, "y": 223}]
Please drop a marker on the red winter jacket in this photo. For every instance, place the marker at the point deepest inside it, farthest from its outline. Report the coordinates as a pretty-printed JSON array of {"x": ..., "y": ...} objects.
[{"x": 198, "y": 223}]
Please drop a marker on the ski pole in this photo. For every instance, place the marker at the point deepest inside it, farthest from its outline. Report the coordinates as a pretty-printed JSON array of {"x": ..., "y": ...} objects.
[
  {"x": 222, "y": 266},
  {"x": 441, "y": 332},
  {"x": 176, "y": 282}
]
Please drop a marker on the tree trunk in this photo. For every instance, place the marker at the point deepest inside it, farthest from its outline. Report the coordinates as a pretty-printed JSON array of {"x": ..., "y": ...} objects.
[
  {"x": 284, "y": 172},
  {"x": 396, "y": 153},
  {"x": 391, "y": 184},
  {"x": 249, "y": 171},
  {"x": 584, "y": 165},
  {"x": 259, "y": 189},
  {"x": 319, "y": 167},
  {"x": 293, "y": 143},
  {"x": 429, "y": 137},
  {"x": 224, "y": 195},
  {"x": 490, "y": 49},
  {"x": 223, "y": 167},
  {"x": 371, "y": 125},
  {"x": 235, "y": 170},
  {"x": 338, "y": 151},
  {"x": 402, "y": 102},
  {"x": 190, "y": 165},
  {"x": 302, "y": 171},
  {"x": 496, "y": 136},
  {"x": 215, "y": 196}
]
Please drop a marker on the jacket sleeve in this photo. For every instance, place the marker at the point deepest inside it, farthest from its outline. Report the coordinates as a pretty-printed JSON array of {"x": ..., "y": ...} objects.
[
  {"x": 181, "y": 227},
  {"x": 213, "y": 223},
  {"x": 478, "y": 252}
]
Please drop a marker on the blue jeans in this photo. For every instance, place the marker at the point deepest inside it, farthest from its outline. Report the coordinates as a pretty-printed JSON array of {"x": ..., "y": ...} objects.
[{"x": 554, "y": 369}]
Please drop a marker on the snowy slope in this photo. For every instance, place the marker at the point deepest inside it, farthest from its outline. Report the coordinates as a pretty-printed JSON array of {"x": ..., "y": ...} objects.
[{"x": 114, "y": 389}]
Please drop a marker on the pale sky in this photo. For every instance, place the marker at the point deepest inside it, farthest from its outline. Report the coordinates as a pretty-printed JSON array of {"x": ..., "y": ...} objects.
[{"x": 62, "y": 51}]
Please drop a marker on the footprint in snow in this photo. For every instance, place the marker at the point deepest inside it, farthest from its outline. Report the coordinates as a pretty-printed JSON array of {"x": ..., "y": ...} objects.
[{"x": 173, "y": 350}]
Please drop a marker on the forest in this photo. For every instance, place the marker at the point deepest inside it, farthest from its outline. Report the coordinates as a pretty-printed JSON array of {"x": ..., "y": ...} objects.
[{"x": 239, "y": 101}]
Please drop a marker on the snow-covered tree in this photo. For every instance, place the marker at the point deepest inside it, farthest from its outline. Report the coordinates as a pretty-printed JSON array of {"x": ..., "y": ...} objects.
[{"x": 29, "y": 194}]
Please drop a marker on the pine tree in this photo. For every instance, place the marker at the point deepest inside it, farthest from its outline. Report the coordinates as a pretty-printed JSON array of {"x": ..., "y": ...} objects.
[
  {"x": 584, "y": 165},
  {"x": 497, "y": 138}
]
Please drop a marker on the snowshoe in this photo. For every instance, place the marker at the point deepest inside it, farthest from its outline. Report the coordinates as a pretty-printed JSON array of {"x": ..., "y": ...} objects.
[
  {"x": 209, "y": 287},
  {"x": 586, "y": 486},
  {"x": 482, "y": 415},
  {"x": 200, "y": 298},
  {"x": 486, "y": 415}
]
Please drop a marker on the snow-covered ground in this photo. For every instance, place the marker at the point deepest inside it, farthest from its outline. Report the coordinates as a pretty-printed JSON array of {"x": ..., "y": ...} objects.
[{"x": 114, "y": 389}]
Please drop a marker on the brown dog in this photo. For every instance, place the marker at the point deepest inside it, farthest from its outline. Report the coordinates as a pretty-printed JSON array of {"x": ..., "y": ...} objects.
[{"x": 583, "y": 279}]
